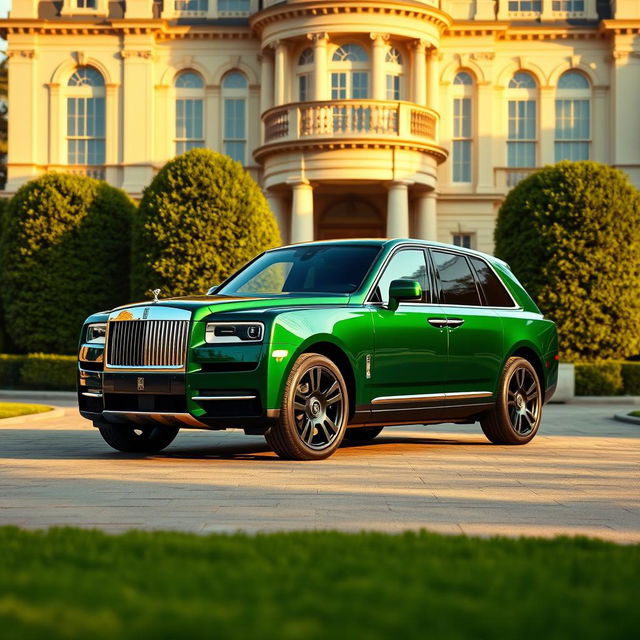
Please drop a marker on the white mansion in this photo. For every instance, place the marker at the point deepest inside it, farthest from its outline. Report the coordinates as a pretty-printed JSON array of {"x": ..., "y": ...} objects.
[{"x": 357, "y": 117}]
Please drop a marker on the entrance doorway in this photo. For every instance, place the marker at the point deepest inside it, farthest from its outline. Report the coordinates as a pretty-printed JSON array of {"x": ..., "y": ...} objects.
[{"x": 351, "y": 217}]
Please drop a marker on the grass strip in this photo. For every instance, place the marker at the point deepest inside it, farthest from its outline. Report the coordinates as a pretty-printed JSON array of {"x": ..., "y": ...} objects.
[
  {"x": 70, "y": 583},
  {"x": 635, "y": 414},
  {"x": 13, "y": 409}
]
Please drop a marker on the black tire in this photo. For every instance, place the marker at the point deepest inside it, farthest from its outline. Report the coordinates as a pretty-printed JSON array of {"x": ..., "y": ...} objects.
[
  {"x": 314, "y": 411},
  {"x": 516, "y": 417},
  {"x": 362, "y": 434},
  {"x": 132, "y": 438}
]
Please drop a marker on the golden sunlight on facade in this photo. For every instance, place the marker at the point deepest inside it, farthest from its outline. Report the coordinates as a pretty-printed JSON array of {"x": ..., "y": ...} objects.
[{"x": 358, "y": 118}]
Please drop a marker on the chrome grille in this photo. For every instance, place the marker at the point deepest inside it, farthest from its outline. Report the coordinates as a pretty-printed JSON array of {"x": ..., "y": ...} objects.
[{"x": 147, "y": 343}]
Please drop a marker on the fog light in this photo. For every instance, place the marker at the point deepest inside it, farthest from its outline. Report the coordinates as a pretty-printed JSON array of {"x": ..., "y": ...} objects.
[{"x": 280, "y": 354}]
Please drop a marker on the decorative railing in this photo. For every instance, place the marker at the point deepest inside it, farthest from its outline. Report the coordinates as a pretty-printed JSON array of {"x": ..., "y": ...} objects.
[
  {"x": 508, "y": 177},
  {"x": 350, "y": 119},
  {"x": 93, "y": 171}
]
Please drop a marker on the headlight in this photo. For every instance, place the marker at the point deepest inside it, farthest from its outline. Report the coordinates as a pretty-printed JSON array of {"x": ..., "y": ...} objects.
[
  {"x": 234, "y": 332},
  {"x": 96, "y": 333}
]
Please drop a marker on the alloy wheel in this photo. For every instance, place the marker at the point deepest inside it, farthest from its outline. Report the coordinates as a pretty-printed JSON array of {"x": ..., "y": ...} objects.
[
  {"x": 318, "y": 407},
  {"x": 523, "y": 401}
]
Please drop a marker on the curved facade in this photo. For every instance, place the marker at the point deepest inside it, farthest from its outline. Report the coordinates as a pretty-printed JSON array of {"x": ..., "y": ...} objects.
[{"x": 376, "y": 117}]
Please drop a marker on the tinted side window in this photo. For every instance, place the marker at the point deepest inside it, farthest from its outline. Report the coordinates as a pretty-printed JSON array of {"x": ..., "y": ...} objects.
[
  {"x": 408, "y": 264},
  {"x": 458, "y": 283},
  {"x": 494, "y": 290}
]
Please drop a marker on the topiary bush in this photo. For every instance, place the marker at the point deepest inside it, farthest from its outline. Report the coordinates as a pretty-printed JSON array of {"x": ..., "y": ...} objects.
[
  {"x": 571, "y": 233},
  {"x": 599, "y": 379},
  {"x": 201, "y": 218},
  {"x": 64, "y": 253},
  {"x": 631, "y": 378},
  {"x": 38, "y": 371}
]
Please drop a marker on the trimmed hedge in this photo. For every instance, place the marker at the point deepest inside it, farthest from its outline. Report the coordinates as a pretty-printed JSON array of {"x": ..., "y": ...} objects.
[
  {"x": 571, "y": 234},
  {"x": 201, "y": 218},
  {"x": 64, "y": 254},
  {"x": 612, "y": 378},
  {"x": 38, "y": 371}
]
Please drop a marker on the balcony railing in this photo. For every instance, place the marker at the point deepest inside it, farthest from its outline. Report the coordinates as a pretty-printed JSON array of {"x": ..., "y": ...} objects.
[
  {"x": 92, "y": 171},
  {"x": 508, "y": 177},
  {"x": 350, "y": 119}
]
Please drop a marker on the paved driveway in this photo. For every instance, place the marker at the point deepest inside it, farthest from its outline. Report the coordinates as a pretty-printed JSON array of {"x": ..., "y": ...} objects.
[{"x": 580, "y": 475}]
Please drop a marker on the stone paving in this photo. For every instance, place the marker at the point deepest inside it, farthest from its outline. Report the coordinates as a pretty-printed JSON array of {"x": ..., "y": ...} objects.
[{"x": 580, "y": 475}]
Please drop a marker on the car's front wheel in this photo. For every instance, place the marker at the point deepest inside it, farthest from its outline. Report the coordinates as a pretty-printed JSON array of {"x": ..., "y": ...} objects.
[
  {"x": 314, "y": 411},
  {"x": 132, "y": 438},
  {"x": 515, "y": 419}
]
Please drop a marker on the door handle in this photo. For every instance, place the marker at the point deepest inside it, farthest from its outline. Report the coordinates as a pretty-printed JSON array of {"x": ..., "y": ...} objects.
[
  {"x": 454, "y": 323},
  {"x": 437, "y": 322}
]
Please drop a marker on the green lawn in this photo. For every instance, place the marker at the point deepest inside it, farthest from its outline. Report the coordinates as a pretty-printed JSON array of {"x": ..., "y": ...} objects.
[
  {"x": 635, "y": 413},
  {"x": 68, "y": 583},
  {"x": 13, "y": 409}
]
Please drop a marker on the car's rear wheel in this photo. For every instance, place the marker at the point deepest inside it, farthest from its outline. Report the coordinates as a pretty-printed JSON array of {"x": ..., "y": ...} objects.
[
  {"x": 314, "y": 411},
  {"x": 362, "y": 434},
  {"x": 132, "y": 438},
  {"x": 515, "y": 419}
]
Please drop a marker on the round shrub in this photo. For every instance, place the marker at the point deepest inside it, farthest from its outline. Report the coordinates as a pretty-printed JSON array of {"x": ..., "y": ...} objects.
[
  {"x": 201, "y": 218},
  {"x": 64, "y": 254},
  {"x": 571, "y": 233}
]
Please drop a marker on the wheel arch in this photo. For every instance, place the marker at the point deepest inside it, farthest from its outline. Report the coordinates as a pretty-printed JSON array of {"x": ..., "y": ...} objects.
[{"x": 530, "y": 355}]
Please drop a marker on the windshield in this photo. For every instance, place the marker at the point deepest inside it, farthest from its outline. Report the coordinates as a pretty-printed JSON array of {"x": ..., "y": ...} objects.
[{"x": 309, "y": 269}]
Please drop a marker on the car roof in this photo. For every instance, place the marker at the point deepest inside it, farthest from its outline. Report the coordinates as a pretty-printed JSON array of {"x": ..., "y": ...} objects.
[{"x": 393, "y": 242}]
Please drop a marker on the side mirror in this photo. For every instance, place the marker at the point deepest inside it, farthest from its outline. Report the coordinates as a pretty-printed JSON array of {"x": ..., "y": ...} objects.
[
  {"x": 403, "y": 290},
  {"x": 212, "y": 290}
]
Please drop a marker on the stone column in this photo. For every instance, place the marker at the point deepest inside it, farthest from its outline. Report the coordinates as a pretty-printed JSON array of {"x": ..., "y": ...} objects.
[
  {"x": 302, "y": 212},
  {"x": 266, "y": 80},
  {"x": 547, "y": 126},
  {"x": 280, "y": 74},
  {"x": 320, "y": 67},
  {"x": 112, "y": 132},
  {"x": 276, "y": 204},
  {"x": 482, "y": 158},
  {"x": 379, "y": 80},
  {"x": 427, "y": 216},
  {"x": 420, "y": 73},
  {"x": 433, "y": 79},
  {"x": 398, "y": 210}
]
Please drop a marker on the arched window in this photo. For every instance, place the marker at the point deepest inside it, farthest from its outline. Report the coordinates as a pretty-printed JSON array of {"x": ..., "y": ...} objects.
[
  {"x": 393, "y": 69},
  {"x": 305, "y": 69},
  {"x": 350, "y": 73},
  {"x": 234, "y": 99},
  {"x": 462, "y": 127},
  {"x": 189, "y": 111},
  {"x": 86, "y": 117},
  {"x": 522, "y": 135},
  {"x": 573, "y": 117}
]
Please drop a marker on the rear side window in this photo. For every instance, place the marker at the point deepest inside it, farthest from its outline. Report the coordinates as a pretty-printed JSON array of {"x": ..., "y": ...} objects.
[
  {"x": 494, "y": 291},
  {"x": 456, "y": 279}
]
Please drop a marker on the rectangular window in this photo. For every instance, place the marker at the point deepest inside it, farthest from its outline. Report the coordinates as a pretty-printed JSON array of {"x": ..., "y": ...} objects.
[
  {"x": 359, "y": 85},
  {"x": 521, "y": 145},
  {"x": 338, "y": 86},
  {"x": 189, "y": 125},
  {"x": 463, "y": 240},
  {"x": 456, "y": 279},
  {"x": 570, "y": 6},
  {"x": 235, "y": 137},
  {"x": 192, "y": 5},
  {"x": 572, "y": 130},
  {"x": 234, "y": 7},
  {"x": 86, "y": 4},
  {"x": 462, "y": 140},
  {"x": 393, "y": 87},
  {"x": 525, "y": 6},
  {"x": 85, "y": 131},
  {"x": 304, "y": 88}
]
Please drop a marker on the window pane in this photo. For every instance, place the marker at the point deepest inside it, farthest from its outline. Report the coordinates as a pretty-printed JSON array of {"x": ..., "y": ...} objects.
[
  {"x": 572, "y": 119},
  {"x": 235, "y": 150},
  {"x": 189, "y": 80},
  {"x": 360, "y": 85},
  {"x": 234, "y": 80},
  {"x": 521, "y": 154},
  {"x": 462, "y": 160},
  {"x": 393, "y": 87},
  {"x": 462, "y": 240},
  {"x": 494, "y": 291},
  {"x": 574, "y": 151},
  {"x": 405, "y": 265},
  {"x": 234, "y": 118},
  {"x": 456, "y": 279},
  {"x": 303, "y": 88},
  {"x": 338, "y": 86}
]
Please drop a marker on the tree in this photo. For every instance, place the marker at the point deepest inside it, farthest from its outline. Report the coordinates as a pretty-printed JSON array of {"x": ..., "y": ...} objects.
[
  {"x": 201, "y": 218},
  {"x": 571, "y": 234},
  {"x": 4, "y": 97},
  {"x": 64, "y": 254}
]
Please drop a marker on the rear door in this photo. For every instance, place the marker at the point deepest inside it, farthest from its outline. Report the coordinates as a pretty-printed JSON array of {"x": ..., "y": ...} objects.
[{"x": 475, "y": 330}]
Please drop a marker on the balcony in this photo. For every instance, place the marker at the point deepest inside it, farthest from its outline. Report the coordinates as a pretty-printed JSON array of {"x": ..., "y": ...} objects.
[
  {"x": 368, "y": 122},
  {"x": 508, "y": 177}
]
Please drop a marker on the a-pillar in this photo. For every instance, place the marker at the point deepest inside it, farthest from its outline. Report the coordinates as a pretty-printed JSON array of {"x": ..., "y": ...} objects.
[
  {"x": 398, "y": 210},
  {"x": 302, "y": 212},
  {"x": 433, "y": 79},
  {"x": 379, "y": 85},
  {"x": 420, "y": 72},
  {"x": 280, "y": 74},
  {"x": 320, "y": 73},
  {"x": 427, "y": 216}
]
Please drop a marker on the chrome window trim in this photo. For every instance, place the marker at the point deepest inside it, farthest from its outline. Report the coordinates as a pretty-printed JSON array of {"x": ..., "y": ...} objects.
[{"x": 200, "y": 398}]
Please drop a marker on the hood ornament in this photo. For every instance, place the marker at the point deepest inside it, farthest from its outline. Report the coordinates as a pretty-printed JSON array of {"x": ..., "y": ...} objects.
[{"x": 156, "y": 293}]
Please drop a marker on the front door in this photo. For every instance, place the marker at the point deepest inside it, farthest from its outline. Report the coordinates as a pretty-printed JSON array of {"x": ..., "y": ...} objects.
[{"x": 410, "y": 354}]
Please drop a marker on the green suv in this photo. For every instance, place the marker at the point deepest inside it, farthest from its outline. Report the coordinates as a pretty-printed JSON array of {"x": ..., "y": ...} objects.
[{"x": 314, "y": 343}]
